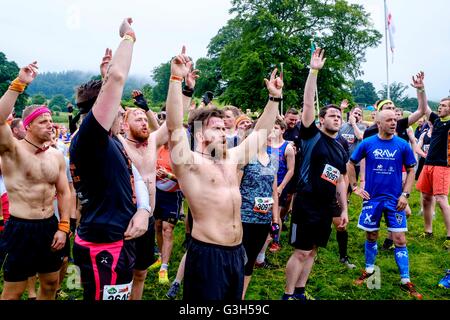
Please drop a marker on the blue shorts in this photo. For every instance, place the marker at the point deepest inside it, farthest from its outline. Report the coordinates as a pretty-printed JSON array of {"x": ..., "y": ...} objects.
[
  {"x": 371, "y": 213},
  {"x": 168, "y": 206}
]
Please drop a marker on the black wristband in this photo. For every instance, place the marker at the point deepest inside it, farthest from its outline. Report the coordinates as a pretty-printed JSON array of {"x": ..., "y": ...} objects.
[
  {"x": 276, "y": 99},
  {"x": 188, "y": 92}
]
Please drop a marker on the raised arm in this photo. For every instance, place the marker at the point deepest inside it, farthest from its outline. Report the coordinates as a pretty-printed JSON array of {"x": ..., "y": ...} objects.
[
  {"x": 317, "y": 62},
  {"x": 8, "y": 100},
  {"x": 108, "y": 101},
  {"x": 258, "y": 138},
  {"x": 423, "y": 108},
  {"x": 178, "y": 140},
  {"x": 141, "y": 102}
]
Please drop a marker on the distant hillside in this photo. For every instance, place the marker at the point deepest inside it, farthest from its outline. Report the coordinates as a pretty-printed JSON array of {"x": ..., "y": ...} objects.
[{"x": 52, "y": 83}]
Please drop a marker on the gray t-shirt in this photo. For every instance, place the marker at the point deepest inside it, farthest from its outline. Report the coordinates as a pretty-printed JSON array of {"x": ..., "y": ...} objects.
[{"x": 348, "y": 133}]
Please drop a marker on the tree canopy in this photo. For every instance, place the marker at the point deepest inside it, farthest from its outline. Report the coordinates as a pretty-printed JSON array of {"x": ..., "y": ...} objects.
[{"x": 8, "y": 72}]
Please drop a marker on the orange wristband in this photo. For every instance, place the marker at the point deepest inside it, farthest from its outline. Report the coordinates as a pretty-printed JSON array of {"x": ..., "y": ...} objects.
[
  {"x": 17, "y": 85},
  {"x": 64, "y": 226},
  {"x": 176, "y": 78}
]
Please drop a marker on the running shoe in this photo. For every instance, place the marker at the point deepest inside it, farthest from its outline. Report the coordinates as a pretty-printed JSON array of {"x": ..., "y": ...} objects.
[
  {"x": 274, "y": 247},
  {"x": 163, "y": 276},
  {"x": 363, "y": 278},
  {"x": 445, "y": 281},
  {"x": 410, "y": 288},
  {"x": 446, "y": 244},
  {"x": 426, "y": 235},
  {"x": 347, "y": 263},
  {"x": 156, "y": 265},
  {"x": 173, "y": 290},
  {"x": 289, "y": 297},
  {"x": 304, "y": 296}
]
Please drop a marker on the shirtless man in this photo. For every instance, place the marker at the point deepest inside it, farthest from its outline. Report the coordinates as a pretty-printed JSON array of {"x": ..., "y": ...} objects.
[
  {"x": 33, "y": 173},
  {"x": 208, "y": 178}
]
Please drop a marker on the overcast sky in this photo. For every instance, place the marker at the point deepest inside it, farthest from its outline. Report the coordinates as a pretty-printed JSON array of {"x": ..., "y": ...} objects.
[{"x": 72, "y": 34}]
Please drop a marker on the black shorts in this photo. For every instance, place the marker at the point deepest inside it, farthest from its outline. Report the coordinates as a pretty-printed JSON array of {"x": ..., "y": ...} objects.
[
  {"x": 253, "y": 239},
  {"x": 284, "y": 197},
  {"x": 145, "y": 247},
  {"x": 213, "y": 272},
  {"x": 114, "y": 263},
  {"x": 26, "y": 245},
  {"x": 168, "y": 206},
  {"x": 311, "y": 223}
]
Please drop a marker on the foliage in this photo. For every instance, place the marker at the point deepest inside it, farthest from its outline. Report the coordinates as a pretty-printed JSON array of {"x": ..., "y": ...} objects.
[
  {"x": 364, "y": 92},
  {"x": 266, "y": 33},
  {"x": 38, "y": 99},
  {"x": 397, "y": 92},
  {"x": 58, "y": 101},
  {"x": 161, "y": 76},
  {"x": 8, "y": 72}
]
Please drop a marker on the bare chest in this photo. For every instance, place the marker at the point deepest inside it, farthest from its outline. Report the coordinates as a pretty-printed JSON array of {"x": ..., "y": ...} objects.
[{"x": 42, "y": 168}]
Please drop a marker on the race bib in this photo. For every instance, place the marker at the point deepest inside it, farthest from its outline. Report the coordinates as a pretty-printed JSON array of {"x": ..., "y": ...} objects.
[
  {"x": 117, "y": 292},
  {"x": 330, "y": 174},
  {"x": 263, "y": 205},
  {"x": 426, "y": 147},
  {"x": 349, "y": 137}
]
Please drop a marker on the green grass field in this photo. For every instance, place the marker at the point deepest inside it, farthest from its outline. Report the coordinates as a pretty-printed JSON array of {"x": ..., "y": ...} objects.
[{"x": 329, "y": 279}]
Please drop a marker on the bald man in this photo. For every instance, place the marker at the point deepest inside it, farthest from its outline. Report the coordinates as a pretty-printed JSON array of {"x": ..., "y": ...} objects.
[{"x": 383, "y": 194}]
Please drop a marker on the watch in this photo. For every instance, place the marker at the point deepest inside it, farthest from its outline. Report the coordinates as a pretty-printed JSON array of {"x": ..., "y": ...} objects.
[{"x": 405, "y": 194}]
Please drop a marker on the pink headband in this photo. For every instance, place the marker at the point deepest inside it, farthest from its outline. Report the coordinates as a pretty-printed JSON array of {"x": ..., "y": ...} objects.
[{"x": 36, "y": 113}]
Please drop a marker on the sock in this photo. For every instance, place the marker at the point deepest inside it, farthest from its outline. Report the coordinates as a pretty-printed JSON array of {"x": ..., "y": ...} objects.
[
  {"x": 371, "y": 250},
  {"x": 261, "y": 257},
  {"x": 299, "y": 290},
  {"x": 176, "y": 281},
  {"x": 164, "y": 266},
  {"x": 402, "y": 260},
  {"x": 448, "y": 237},
  {"x": 342, "y": 240}
]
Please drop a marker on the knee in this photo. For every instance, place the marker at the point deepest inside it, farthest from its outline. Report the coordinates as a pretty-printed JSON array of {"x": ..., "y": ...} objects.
[
  {"x": 372, "y": 236},
  {"x": 442, "y": 201},
  {"x": 399, "y": 239},
  {"x": 427, "y": 199},
  {"x": 168, "y": 232},
  {"x": 139, "y": 275},
  {"x": 50, "y": 285}
]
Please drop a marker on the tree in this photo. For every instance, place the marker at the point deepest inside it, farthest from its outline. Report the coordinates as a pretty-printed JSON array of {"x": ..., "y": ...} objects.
[
  {"x": 38, "y": 99},
  {"x": 265, "y": 33},
  {"x": 364, "y": 92},
  {"x": 209, "y": 77},
  {"x": 161, "y": 76},
  {"x": 8, "y": 72},
  {"x": 58, "y": 101},
  {"x": 397, "y": 93}
]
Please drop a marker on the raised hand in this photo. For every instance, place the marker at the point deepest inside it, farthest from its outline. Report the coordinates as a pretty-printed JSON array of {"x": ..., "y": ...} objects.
[
  {"x": 191, "y": 78},
  {"x": 180, "y": 66},
  {"x": 417, "y": 80},
  {"x": 105, "y": 62},
  {"x": 275, "y": 84},
  {"x": 125, "y": 27},
  {"x": 139, "y": 100},
  {"x": 28, "y": 73},
  {"x": 344, "y": 105},
  {"x": 317, "y": 60}
]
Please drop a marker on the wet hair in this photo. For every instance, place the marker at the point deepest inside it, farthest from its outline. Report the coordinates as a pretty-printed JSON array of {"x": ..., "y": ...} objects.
[
  {"x": 236, "y": 112},
  {"x": 203, "y": 115},
  {"x": 324, "y": 110},
  {"x": 15, "y": 123},
  {"x": 292, "y": 111},
  {"x": 281, "y": 123},
  {"x": 88, "y": 91}
]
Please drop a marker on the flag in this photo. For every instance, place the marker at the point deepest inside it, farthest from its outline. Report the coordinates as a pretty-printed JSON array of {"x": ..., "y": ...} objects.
[{"x": 391, "y": 31}]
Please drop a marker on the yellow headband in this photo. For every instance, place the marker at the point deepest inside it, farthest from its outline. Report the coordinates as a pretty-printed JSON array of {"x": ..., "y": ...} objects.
[{"x": 382, "y": 103}]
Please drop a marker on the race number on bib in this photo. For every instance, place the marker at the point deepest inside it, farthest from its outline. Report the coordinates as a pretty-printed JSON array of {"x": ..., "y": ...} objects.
[
  {"x": 117, "y": 292},
  {"x": 331, "y": 174},
  {"x": 263, "y": 205}
]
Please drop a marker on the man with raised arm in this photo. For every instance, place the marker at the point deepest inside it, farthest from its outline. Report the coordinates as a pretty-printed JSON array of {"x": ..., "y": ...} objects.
[
  {"x": 103, "y": 177},
  {"x": 33, "y": 173},
  {"x": 434, "y": 180},
  {"x": 208, "y": 178},
  {"x": 321, "y": 180}
]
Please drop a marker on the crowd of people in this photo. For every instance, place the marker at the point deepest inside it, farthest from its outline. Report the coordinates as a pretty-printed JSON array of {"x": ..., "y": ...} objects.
[{"x": 117, "y": 183}]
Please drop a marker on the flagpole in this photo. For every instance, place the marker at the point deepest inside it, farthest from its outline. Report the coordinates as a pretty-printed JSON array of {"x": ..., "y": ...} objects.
[
  {"x": 281, "y": 104},
  {"x": 387, "y": 52}
]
